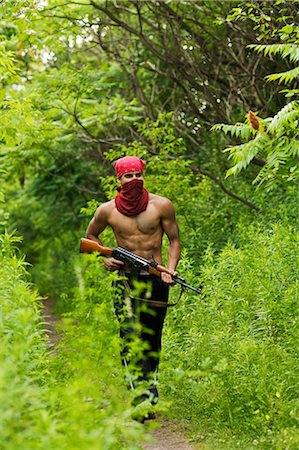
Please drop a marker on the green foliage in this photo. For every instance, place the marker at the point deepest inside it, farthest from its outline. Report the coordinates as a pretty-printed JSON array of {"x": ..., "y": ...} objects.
[
  {"x": 290, "y": 50},
  {"x": 24, "y": 418},
  {"x": 266, "y": 18},
  {"x": 85, "y": 83},
  {"x": 7, "y": 64},
  {"x": 239, "y": 130},
  {"x": 65, "y": 400},
  {"x": 285, "y": 77},
  {"x": 4, "y": 216},
  {"x": 126, "y": 75},
  {"x": 231, "y": 354},
  {"x": 274, "y": 140}
]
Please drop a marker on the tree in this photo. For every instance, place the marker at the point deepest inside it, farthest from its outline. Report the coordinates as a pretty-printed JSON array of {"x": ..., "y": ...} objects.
[{"x": 274, "y": 139}]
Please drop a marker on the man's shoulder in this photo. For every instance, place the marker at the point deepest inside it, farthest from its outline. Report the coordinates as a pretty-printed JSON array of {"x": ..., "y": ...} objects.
[
  {"x": 158, "y": 199},
  {"x": 109, "y": 204},
  {"x": 106, "y": 208},
  {"x": 162, "y": 204}
]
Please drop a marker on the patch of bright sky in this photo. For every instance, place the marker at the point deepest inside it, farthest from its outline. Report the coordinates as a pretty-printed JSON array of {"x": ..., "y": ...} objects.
[
  {"x": 47, "y": 55},
  {"x": 41, "y": 4}
]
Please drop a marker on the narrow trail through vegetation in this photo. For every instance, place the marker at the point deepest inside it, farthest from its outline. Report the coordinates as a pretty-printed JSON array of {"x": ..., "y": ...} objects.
[
  {"x": 165, "y": 437},
  {"x": 206, "y": 93},
  {"x": 50, "y": 323}
]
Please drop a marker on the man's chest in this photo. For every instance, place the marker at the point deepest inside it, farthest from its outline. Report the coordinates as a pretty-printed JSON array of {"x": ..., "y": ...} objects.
[{"x": 147, "y": 222}]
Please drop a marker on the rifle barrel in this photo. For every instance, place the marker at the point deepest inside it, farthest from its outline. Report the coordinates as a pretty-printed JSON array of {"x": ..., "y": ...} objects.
[{"x": 183, "y": 283}]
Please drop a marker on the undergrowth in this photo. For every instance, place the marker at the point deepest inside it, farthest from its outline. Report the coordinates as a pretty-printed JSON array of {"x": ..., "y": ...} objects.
[
  {"x": 229, "y": 360},
  {"x": 72, "y": 399},
  {"x": 230, "y": 356}
]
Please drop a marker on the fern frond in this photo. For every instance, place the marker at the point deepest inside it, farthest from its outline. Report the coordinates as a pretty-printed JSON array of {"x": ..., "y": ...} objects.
[
  {"x": 288, "y": 114},
  {"x": 294, "y": 147},
  {"x": 282, "y": 154},
  {"x": 239, "y": 129},
  {"x": 242, "y": 155},
  {"x": 285, "y": 50},
  {"x": 284, "y": 77},
  {"x": 290, "y": 92}
]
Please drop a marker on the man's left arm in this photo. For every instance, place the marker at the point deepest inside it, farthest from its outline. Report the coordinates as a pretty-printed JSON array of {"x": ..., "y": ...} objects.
[{"x": 171, "y": 229}]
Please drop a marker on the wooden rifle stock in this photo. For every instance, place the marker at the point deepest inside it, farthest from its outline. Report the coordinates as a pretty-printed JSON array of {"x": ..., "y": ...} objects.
[
  {"x": 158, "y": 269},
  {"x": 154, "y": 271},
  {"x": 89, "y": 246}
]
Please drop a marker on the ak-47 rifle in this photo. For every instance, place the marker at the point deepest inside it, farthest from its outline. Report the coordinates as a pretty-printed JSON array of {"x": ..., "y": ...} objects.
[{"x": 137, "y": 263}]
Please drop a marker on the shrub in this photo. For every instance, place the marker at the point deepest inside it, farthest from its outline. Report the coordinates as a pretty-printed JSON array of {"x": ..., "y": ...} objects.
[
  {"x": 68, "y": 400},
  {"x": 230, "y": 356}
]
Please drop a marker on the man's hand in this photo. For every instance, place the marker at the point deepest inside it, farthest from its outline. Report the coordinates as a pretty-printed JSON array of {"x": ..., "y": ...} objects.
[
  {"x": 112, "y": 264},
  {"x": 167, "y": 279}
]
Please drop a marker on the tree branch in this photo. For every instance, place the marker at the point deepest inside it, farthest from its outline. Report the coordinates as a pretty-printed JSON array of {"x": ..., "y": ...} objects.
[{"x": 224, "y": 189}]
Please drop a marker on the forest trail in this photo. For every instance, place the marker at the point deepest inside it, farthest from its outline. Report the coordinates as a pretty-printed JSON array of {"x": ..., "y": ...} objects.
[
  {"x": 165, "y": 437},
  {"x": 50, "y": 323}
]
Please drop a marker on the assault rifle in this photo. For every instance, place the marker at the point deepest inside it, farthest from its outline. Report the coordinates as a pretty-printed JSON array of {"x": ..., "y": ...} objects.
[{"x": 137, "y": 263}]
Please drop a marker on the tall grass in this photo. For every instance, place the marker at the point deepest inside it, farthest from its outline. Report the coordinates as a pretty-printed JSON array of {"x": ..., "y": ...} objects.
[
  {"x": 72, "y": 399},
  {"x": 230, "y": 357},
  {"x": 25, "y": 416}
]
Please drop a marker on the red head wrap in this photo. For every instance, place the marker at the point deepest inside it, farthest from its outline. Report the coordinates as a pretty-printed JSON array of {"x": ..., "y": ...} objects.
[
  {"x": 132, "y": 198},
  {"x": 128, "y": 164}
]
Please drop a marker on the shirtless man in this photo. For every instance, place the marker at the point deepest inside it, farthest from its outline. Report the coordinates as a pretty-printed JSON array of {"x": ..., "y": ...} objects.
[{"x": 138, "y": 220}]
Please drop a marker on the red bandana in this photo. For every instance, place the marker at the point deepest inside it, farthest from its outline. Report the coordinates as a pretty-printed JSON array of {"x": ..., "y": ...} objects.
[
  {"x": 132, "y": 198},
  {"x": 128, "y": 164}
]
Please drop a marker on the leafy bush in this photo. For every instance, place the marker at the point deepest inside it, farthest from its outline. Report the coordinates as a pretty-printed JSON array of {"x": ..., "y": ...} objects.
[
  {"x": 25, "y": 416},
  {"x": 72, "y": 398},
  {"x": 230, "y": 356}
]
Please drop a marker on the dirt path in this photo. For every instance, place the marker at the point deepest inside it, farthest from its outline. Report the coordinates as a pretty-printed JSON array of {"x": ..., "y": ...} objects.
[
  {"x": 50, "y": 323},
  {"x": 165, "y": 437}
]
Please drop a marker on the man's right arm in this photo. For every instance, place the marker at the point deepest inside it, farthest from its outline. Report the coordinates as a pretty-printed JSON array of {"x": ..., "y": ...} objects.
[{"x": 96, "y": 226}]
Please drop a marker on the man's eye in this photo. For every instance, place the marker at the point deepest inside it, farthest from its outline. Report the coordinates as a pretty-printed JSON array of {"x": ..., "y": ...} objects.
[{"x": 138, "y": 175}]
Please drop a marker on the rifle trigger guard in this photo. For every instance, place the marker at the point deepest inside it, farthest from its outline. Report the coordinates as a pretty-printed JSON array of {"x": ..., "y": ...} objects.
[{"x": 153, "y": 263}]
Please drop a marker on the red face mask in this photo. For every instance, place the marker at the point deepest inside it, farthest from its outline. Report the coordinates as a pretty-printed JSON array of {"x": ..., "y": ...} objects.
[{"x": 132, "y": 198}]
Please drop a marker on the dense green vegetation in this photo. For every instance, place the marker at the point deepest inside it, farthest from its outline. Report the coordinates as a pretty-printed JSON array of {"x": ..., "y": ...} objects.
[
  {"x": 82, "y": 83},
  {"x": 234, "y": 351},
  {"x": 62, "y": 401}
]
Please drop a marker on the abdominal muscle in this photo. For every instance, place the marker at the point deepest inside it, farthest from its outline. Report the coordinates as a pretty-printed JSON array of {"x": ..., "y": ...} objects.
[
  {"x": 141, "y": 235},
  {"x": 143, "y": 245}
]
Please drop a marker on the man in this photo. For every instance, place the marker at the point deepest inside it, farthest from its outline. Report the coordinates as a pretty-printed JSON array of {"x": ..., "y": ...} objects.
[{"x": 138, "y": 220}]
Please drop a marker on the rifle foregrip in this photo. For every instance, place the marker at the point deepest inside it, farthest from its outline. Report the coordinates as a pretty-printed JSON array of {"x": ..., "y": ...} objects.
[
  {"x": 154, "y": 271},
  {"x": 161, "y": 269}
]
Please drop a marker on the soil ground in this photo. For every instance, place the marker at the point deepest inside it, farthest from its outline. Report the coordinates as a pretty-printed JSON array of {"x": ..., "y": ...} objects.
[
  {"x": 167, "y": 438},
  {"x": 50, "y": 323}
]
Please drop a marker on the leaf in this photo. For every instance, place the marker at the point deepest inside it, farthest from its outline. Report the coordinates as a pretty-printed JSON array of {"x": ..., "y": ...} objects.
[
  {"x": 284, "y": 77},
  {"x": 285, "y": 50},
  {"x": 288, "y": 114}
]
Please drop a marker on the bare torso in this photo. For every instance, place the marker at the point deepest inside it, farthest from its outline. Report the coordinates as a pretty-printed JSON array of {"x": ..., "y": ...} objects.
[{"x": 142, "y": 234}]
